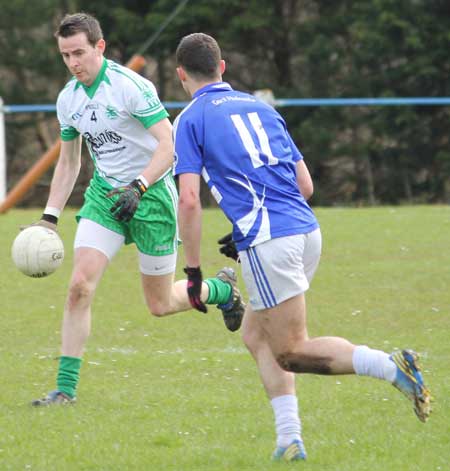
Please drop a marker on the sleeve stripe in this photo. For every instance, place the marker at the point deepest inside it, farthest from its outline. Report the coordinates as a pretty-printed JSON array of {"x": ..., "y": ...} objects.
[
  {"x": 148, "y": 121},
  {"x": 69, "y": 133},
  {"x": 149, "y": 111}
]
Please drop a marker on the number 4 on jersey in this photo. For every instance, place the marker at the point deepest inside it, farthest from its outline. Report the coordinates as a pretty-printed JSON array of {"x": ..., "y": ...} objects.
[
  {"x": 263, "y": 146},
  {"x": 93, "y": 117}
]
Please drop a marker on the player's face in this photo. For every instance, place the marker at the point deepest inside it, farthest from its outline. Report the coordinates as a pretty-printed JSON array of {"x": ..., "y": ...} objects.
[{"x": 82, "y": 59}]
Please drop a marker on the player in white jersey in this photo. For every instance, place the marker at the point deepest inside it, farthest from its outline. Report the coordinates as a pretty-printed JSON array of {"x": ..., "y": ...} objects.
[
  {"x": 245, "y": 154},
  {"x": 131, "y": 198}
]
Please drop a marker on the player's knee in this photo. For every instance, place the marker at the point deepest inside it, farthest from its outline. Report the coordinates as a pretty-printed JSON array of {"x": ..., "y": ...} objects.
[
  {"x": 158, "y": 308},
  {"x": 80, "y": 291}
]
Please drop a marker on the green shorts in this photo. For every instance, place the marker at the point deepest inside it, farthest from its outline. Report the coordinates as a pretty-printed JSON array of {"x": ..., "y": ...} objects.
[{"x": 153, "y": 228}]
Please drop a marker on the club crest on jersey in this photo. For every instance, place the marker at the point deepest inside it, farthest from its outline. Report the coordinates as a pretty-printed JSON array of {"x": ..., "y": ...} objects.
[{"x": 111, "y": 112}]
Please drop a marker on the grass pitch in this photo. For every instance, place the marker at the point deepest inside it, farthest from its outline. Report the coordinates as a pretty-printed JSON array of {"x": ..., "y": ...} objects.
[{"x": 182, "y": 393}]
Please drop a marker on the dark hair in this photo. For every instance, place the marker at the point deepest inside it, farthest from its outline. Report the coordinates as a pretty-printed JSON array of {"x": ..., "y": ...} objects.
[
  {"x": 80, "y": 23},
  {"x": 199, "y": 54}
]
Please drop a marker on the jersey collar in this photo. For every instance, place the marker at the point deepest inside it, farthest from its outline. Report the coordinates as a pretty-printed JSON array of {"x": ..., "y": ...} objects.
[
  {"x": 213, "y": 87},
  {"x": 101, "y": 77}
]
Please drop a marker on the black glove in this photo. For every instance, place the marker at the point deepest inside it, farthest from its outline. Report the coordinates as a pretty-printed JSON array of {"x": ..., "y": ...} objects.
[
  {"x": 47, "y": 220},
  {"x": 194, "y": 288},
  {"x": 128, "y": 201},
  {"x": 228, "y": 247}
]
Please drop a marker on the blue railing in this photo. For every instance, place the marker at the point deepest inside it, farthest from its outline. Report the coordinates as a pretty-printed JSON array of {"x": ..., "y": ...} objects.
[
  {"x": 362, "y": 101},
  {"x": 281, "y": 102}
]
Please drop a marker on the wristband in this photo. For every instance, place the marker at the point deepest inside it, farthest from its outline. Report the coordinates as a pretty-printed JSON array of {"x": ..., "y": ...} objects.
[
  {"x": 144, "y": 181},
  {"x": 50, "y": 218},
  {"x": 191, "y": 271}
]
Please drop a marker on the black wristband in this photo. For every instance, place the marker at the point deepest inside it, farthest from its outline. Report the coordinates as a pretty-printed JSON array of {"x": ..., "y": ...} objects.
[
  {"x": 192, "y": 271},
  {"x": 50, "y": 218}
]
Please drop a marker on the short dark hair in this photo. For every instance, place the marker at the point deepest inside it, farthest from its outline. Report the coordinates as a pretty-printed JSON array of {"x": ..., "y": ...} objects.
[
  {"x": 199, "y": 54},
  {"x": 80, "y": 23}
]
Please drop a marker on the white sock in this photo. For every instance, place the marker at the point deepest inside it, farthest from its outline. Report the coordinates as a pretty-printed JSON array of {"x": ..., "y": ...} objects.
[
  {"x": 374, "y": 363},
  {"x": 287, "y": 420}
]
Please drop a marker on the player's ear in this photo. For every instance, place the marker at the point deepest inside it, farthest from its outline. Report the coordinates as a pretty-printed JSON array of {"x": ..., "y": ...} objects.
[
  {"x": 101, "y": 45},
  {"x": 222, "y": 66},
  {"x": 181, "y": 74}
]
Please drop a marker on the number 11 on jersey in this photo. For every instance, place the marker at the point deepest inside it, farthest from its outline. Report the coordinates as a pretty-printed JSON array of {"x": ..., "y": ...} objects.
[{"x": 254, "y": 150}]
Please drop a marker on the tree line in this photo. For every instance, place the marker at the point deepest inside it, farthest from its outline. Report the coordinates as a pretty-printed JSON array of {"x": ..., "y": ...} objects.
[{"x": 297, "y": 49}]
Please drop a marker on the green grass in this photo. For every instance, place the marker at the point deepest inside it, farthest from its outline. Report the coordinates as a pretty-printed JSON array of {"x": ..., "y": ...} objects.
[{"x": 182, "y": 393}]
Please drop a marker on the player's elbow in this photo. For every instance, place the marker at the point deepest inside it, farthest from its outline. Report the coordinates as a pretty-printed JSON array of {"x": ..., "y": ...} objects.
[
  {"x": 307, "y": 190},
  {"x": 188, "y": 201},
  {"x": 304, "y": 180}
]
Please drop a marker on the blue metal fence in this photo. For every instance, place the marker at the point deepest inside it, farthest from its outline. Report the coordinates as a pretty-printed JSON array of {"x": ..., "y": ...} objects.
[{"x": 281, "y": 102}]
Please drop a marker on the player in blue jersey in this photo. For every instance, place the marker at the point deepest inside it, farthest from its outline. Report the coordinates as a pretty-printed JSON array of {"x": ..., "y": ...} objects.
[{"x": 244, "y": 152}]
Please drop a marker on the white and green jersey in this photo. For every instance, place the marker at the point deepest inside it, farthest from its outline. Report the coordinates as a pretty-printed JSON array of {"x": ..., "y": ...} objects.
[{"x": 113, "y": 115}]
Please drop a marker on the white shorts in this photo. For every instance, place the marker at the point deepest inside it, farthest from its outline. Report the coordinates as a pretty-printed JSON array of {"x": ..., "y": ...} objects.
[
  {"x": 281, "y": 268},
  {"x": 93, "y": 235}
]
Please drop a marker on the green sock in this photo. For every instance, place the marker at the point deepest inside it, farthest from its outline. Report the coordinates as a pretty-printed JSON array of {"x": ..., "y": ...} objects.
[
  {"x": 219, "y": 291},
  {"x": 68, "y": 375}
]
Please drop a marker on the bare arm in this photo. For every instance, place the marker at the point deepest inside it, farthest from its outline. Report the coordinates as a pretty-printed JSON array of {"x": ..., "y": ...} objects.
[
  {"x": 162, "y": 158},
  {"x": 190, "y": 217},
  {"x": 66, "y": 173},
  {"x": 304, "y": 180}
]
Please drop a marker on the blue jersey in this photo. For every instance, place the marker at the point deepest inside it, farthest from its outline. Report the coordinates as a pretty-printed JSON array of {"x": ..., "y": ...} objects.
[{"x": 244, "y": 152}]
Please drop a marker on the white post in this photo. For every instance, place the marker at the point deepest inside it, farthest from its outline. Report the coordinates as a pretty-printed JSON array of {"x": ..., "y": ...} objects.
[{"x": 2, "y": 154}]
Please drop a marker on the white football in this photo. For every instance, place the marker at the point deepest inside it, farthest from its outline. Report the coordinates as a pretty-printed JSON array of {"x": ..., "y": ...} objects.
[{"x": 37, "y": 251}]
